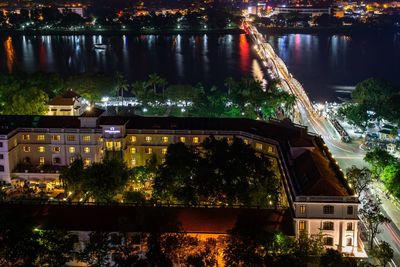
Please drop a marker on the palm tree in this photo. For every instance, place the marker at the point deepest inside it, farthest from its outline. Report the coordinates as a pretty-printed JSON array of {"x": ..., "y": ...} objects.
[
  {"x": 121, "y": 86},
  {"x": 154, "y": 80}
]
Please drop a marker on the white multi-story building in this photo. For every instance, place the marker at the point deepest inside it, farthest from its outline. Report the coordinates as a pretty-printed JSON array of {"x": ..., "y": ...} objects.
[{"x": 319, "y": 198}]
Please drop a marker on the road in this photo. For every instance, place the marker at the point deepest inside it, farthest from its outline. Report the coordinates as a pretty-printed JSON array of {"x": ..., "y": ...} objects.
[{"x": 346, "y": 154}]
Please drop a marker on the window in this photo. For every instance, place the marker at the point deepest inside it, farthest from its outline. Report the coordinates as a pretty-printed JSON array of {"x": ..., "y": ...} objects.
[
  {"x": 329, "y": 209},
  {"x": 56, "y": 149},
  {"x": 41, "y": 149},
  {"x": 328, "y": 241},
  {"x": 71, "y": 138},
  {"x": 350, "y": 210},
  {"x": 302, "y": 209},
  {"x": 259, "y": 146},
  {"x": 164, "y": 151},
  {"x": 133, "y": 150},
  {"x": 327, "y": 226},
  {"x": 133, "y": 139},
  {"x": 133, "y": 162},
  {"x": 349, "y": 226},
  {"x": 349, "y": 241},
  {"x": 1, "y": 156},
  {"x": 71, "y": 159},
  {"x": 71, "y": 149},
  {"x": 26, "y": 148},
  {"x": 87, "y": 161},
  {"x": 245, "y": 141},
  {"x": 40, "y": 137},
  {"x": 182, "y": 139},
  {"x": 56, "y": 137},
  {"x": 1, "y": 168},
  {"x": 148, "y": 150},
  {"x": 109, "y": 145},
  {"x": 165, "y": 139},
  {"x": 26, "y": 137},
  {"x": 41, "y": 161},
  {"x": 56, "y": 160},
  {"x": 1, "y": 144},
  {"x": 302, "y": 225},
  {"x": 148, "y": 139},
  {"x": 270, "y": 149},
  {"x": 195, "y": 140},
  {"x": 86, "y": 149},
  {"x": 86, "y": 138},
  {"x": 27, "y": 160}
]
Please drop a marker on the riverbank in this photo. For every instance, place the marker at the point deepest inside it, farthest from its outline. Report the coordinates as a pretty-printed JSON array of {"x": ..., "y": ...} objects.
[
  {"x": 327, "y": 30},
  {"x": 120, "y": 32}
]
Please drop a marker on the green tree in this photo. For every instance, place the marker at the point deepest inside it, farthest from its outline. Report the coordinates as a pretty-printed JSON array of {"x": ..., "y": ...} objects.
[
  {"x": 383, "y": 253},
  {"x": 104, "y": 180},
  {"x": 391, "y": 178},
  {"x": 372, "y": 216},
  {"x": 356, "y": 114},
  {"x": 134, "y": 197},
  {"x": 31, "y": 101},
  {"x": 358, "y": 178},
  {"x": 379, "y": 159},
  {"x": 97, "y": 250},
  {"x": 73, "y": 175}
]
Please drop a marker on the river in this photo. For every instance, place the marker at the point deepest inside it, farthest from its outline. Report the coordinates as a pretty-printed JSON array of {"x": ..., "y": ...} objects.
[{"x": 323, "y": 63}]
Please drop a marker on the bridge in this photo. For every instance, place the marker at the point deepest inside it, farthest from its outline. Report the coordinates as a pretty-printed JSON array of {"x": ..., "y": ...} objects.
[{"x": 304, "y": 112}]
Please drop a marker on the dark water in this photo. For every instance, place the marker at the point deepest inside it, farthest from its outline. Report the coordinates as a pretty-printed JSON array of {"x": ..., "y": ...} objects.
[
  {"x": 181, "y": 58},
  {"x": 328, "y": 64},
  {"x": 323, "y": 63}
]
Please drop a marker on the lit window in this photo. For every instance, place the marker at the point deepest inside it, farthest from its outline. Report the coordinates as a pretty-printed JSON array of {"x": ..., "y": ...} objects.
[
  {"x": 133, "y": 162},
  {"x": 56, "y": 149},
  {"x": 349, "y": 226},
  {"x": 71, "y": 159},
  {"x": 71, "y": 138},
  {"x": 349, "y": 241},
  {"x": 182, "y": 139},
  {"x": 71, "y": 149},
  {"x": 56, "y": 137},
  {"x": 26, "y": 137},
  {"x": 86, "y": 138},
  {"x": 87, "y": 162},
  {"x": 195, "y": 140},
  {"x": 164, "y": 139},
  {"x": 41, "y": 161},
  {"x": 329, "y": 209},
  {"x": 350, "y": 210},
  {"x": 327, "y": 226},
  {"x": 40, "y": 137},
  {"x": 26, "y": 148},
  {"x": 133, "y": 150},
  {"x": 328, "y": 241},
  {"x": 133, "y": 139},
  {"x": 302, "y": 209},
  {"x": 164, "y": 151},
  {"x": 148, "y": 150},
  {"x": 162, "y": 161},
  {"x": 302, "y": 225},
  {"x": 148, "y": 139},
  {"x": 270, "y": 149},
  {"x": 259, "y": 146},
  {"x": 86, "y": 149},
  {"x": 246, "y": 141},
  {"x": 41, "y": 149}
]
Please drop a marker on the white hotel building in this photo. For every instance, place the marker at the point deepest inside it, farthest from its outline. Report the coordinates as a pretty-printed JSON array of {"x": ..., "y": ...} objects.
[{"x": 320, "y": 201}]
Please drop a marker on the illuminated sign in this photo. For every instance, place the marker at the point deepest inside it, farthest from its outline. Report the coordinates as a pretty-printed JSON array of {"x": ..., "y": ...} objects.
[{"x": 112, "y": 130}]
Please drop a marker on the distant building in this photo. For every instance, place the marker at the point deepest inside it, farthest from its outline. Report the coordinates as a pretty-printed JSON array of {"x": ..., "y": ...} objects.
[
  {"x": 304, "y": 10},
  {"x": 319, "y": 200},
  {"x": 67, "y": 104}
]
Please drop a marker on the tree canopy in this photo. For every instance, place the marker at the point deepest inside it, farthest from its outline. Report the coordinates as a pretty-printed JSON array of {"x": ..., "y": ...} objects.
[{"x": 221, "y": 171}]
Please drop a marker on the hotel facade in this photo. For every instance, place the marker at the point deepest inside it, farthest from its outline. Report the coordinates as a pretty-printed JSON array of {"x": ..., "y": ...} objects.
[{"x": 320, "y": 200}]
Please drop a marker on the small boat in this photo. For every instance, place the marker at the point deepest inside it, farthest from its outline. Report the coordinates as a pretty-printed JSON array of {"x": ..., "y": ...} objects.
[{"x": 100, "y": 46}]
